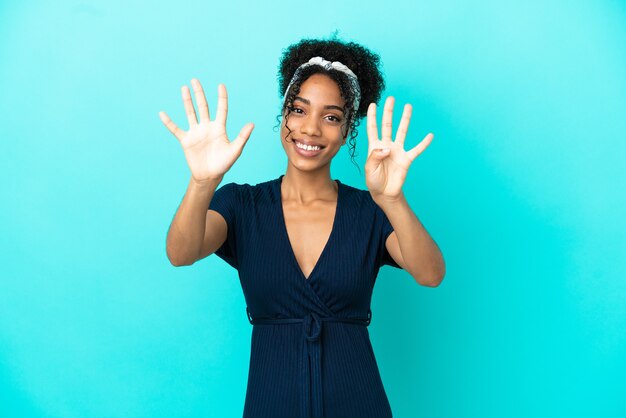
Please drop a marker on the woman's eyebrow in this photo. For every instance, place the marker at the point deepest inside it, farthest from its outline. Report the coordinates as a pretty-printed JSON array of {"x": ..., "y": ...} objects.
[{"x": 325, "y": 107}]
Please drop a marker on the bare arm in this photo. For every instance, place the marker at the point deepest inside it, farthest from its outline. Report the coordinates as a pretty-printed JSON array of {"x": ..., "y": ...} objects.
[
  {"x": 411, "y": 246},
  {"x": 195, "y": 232},
  {"x": 386, "y": 167}
]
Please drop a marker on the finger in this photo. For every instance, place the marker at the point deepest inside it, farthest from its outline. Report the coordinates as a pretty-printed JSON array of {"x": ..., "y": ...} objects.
[
  {"x": 404, "y": 124},
  {"x": 376, "y": 157},
  {"x": 222, "y": 104},
  {"x": 191, "y": 112},
  {"x": 372, "y": 128},
  {"x": 387, "y": 119},
  {"x": 419, "y": 148},
  {"x": 243, "y": 136},
  {"x": 178, "y": 133},
  {"x": 203, "y": 107},
  {"x": 381, "y": 153}
]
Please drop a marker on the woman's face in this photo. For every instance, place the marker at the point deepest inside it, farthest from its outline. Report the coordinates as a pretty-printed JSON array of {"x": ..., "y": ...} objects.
[{"x": 317, "y": 118}]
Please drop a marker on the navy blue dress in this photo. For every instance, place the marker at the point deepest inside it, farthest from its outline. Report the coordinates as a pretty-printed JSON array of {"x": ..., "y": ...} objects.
[{"x": 311, "y": 355}]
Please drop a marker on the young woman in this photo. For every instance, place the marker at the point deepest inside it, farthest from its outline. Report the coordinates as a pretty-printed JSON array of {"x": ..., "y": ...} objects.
[{"x": 307, "y": 248}]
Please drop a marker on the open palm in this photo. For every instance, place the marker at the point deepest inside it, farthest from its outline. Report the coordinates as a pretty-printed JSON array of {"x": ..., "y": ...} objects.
[
  {"x": 385, "y": 173},
  {"x": 208, "y": 151}
]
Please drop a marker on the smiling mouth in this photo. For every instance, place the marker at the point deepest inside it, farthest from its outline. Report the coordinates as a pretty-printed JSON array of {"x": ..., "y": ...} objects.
[{"x": 308, "y": 147}]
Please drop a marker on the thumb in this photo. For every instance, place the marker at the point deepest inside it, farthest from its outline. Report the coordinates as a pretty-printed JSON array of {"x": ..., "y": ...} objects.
[
  {"x": 376, "y": 157},
  {"x": 380, "y": 154},
  {"x": 243, "y": 136}
]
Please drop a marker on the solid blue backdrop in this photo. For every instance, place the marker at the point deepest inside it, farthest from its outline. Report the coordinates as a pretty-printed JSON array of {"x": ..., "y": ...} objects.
[{"x": 522, "y": 188}]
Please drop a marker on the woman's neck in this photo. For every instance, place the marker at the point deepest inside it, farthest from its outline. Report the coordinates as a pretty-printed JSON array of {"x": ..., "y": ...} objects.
[{"x": 304, "y": 187}]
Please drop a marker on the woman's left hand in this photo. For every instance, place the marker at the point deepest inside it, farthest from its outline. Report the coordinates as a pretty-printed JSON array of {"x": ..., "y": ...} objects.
[{"x": 385, "y": 172}]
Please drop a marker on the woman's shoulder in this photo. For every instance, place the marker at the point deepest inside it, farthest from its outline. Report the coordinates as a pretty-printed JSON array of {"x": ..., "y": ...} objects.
[
  {"x": 358, "y": 197},
  {"x": 241, "y": 185},
  {"x": 248, "y": 191},
  {"x": 352, "y": 196}
]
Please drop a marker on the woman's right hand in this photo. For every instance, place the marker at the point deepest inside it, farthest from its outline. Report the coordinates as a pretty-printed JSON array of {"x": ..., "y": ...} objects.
[{"x": 208, "y": 151}]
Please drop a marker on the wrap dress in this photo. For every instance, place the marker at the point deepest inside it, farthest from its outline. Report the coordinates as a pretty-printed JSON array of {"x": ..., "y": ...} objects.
[{"x": 311, "y": 355}]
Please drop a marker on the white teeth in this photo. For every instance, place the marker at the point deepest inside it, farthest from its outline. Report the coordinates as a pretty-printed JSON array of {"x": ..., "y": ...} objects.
[{"x": 307, "y": 147}]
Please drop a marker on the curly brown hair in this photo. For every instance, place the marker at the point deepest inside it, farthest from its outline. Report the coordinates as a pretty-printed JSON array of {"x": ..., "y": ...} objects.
[{"x": 363, "y": 63}]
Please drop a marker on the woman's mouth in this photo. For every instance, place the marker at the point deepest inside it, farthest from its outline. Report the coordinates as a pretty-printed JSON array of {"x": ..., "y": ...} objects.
[{"x": 307, "y": 150}]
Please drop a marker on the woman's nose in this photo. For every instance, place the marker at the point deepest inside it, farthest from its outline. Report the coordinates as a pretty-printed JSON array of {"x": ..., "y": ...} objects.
[{"x": 310, "y": 126}]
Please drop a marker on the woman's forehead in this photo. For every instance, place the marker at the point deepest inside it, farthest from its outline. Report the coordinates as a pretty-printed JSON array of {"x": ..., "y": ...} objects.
[{"x": 321, "y": 89}]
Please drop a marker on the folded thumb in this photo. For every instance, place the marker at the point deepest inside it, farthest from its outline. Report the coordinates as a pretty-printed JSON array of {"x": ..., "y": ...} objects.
[{"x": 381, "y": 153}]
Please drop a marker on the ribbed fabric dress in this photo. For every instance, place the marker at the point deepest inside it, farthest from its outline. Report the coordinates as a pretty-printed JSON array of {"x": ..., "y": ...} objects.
[{"x": 311, "y": 355}]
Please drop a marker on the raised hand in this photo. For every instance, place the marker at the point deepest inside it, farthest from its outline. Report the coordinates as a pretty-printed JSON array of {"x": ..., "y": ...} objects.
[
  {"x": 208, "y": 151},
  {"x": 385, "y": 172}
]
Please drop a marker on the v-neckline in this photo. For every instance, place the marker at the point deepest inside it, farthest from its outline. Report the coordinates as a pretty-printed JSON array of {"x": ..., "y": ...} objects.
[{"x": 285, "y": 233}]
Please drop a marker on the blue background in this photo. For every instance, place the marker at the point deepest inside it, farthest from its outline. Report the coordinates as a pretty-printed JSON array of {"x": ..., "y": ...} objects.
[{"x": 522, "y": 189}]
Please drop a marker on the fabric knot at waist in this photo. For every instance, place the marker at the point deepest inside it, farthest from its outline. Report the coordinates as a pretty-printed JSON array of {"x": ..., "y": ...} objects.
[{"x": 311, "y": 364}]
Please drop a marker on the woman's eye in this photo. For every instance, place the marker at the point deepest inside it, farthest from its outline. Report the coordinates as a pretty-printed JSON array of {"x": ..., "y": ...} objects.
[
  {"x": 295, "y": 109},
  {"x": 336, "y": 119}
]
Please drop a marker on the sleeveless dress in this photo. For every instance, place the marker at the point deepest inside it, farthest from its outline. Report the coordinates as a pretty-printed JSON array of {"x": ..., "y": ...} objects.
[{"x": 311, "y": 355}]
